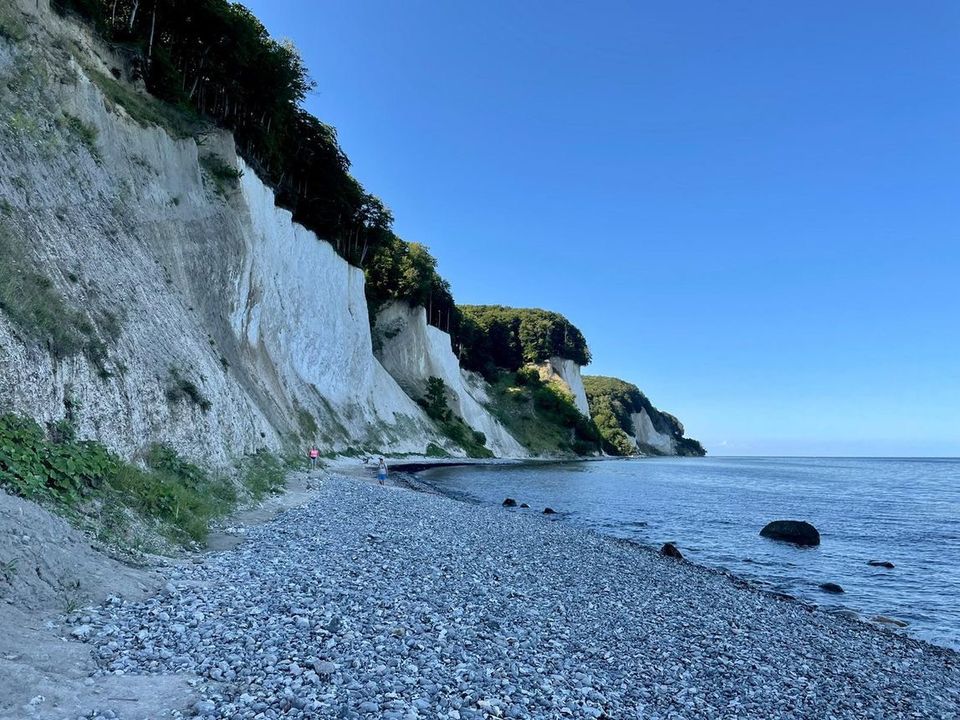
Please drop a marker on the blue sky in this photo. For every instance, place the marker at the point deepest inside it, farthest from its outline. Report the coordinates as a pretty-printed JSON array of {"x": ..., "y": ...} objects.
[{"x": 751, "y": 209}]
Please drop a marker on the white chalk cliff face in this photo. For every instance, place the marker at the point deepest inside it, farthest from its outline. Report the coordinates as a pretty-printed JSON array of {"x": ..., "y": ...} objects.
[
  {"x": 644, "y": 433},
  {"x": 413, "y": 351},
  {"x": 181, "y": 285},
  {"x": 567, "y": 373}
]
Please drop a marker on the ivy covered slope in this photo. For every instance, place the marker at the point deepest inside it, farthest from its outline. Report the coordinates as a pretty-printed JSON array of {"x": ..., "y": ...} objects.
[{"x": 629, "y": 424}]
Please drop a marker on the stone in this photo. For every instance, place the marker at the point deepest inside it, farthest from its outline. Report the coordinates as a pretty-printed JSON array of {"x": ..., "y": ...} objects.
[
  {"x": 881, "y": 563},
  {"x": 81, "y": 632},
  {"x": 831, "y": 587},
  {"x": 509, "y": 502},
  {"x": 205, "y": 708},
  {"x": 549, "y": 511},
  {"x": 798, "y": 532},
  {"x": 524, "y": 505},
  {"x": 670, "y": 550}
]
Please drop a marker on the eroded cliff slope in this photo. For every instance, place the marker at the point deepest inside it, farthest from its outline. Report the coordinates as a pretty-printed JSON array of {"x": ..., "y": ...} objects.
[{"x": 150, "y": 294}]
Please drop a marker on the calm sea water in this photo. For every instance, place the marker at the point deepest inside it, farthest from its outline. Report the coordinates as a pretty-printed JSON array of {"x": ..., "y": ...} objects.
[{"x": 906, "y": 511}]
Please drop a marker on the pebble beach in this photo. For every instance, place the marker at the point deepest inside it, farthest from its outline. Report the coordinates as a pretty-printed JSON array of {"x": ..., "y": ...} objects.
[{"x": 383, "y": 602}]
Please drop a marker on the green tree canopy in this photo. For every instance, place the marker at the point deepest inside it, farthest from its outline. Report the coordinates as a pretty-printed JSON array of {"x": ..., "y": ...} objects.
[
  {"x": 217, "y": 59},
  {"x": 494, "y": 336}
]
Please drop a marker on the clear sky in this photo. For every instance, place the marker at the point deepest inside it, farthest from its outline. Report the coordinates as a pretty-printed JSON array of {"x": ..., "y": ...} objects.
[{"x": 751, "y": 209}]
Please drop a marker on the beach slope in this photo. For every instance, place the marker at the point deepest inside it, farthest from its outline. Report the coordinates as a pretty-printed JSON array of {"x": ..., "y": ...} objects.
[{"x": 380, "y": 602}]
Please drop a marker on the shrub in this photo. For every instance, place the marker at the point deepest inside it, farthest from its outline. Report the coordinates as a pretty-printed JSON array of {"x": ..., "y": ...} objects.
[
  {"x": 225, "y": 177},
  {"x": 37, "y": 468},
  {"x": 181, "y": 389},
  {"x": 263, "y": 473},
  {"x": 182, "y": 497},
  {"x": 435, "y": 451}
]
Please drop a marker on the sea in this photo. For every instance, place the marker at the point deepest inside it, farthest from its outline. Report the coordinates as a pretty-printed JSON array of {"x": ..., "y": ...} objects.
[{"x": 905, "y": 511}]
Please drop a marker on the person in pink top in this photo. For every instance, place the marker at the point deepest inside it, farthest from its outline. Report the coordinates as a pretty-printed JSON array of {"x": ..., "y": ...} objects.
[{"x": 314, "y": 456}]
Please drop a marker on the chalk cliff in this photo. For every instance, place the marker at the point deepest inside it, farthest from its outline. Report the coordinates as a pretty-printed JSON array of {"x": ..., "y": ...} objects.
[
  {"x": 413, "y": 351},
  {"x": 152, "y": 291},
  {"x": 630, "y": 424},
  {"x": 198, "y": 313},
  {"x": 567, "y": 373}
]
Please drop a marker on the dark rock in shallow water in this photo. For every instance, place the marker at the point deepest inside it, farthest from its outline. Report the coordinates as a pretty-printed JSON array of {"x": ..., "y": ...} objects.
[
  {"x": 549, "y": 511},
  {"x": 881, "y": 563},
  {"x": 798, "y": 532},
  {"x": 831, "y": 588},
  {"x": 509, "y": 502},
  {"x": 524, "y": 505},
  {"x": 670, "y": 550}
]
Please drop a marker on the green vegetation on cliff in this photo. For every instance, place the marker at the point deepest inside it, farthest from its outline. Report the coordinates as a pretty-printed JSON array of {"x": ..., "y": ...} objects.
[
  {"x": 494, "y": 337},
  {"x": 435, "y": 403},
  {"x": 215, "y": 59},
  {"x": 541, "y": 416},
  {"x": 86, "y": 482},
  {"x": 613, "y": 402}
]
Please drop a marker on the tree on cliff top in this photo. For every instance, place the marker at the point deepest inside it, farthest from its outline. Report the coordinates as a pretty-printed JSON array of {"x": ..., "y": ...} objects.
[
  {"x": 216, "y": 59},
  {"x": 494, "y": 336}
]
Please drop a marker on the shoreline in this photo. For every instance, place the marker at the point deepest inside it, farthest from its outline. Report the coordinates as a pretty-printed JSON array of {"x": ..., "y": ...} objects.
[
  {"x": 580, "y": 624},
  {"x": 888, "y": 620},
  {"x": 572, "y": 623}
]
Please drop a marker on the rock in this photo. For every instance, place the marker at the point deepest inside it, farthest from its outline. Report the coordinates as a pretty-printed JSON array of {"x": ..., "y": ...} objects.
[
  {"x": 884, "y": 620},
  {"x": 549, "y": 511},
  {"x": 205, "y": 708},
  {"x": 798, "y": 532},
  {"x": 81, "y": 632},
  {"x": 881, "y": 563},
  {"x": 524, "y": 505},
  {"x": 325, "y": 670},
  {"x": 670, "y": 550},
  {"x": 831, "y": 587},
  {"x": 509, "y": 502}
]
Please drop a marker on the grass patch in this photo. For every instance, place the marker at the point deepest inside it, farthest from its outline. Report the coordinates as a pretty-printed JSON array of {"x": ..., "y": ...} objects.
[
  {"x": 79, "y": 478},
  {"x": 39, "y": 312},
  {"x": 263, "y": 474},
  {"x": 308, "y": 424},
  {"x": 541, "y": 416},
  {"x": 183, "y": 389},
  {"x": 224, "y": 177},
  {"x": 435, "y": 451},
  {"x": 180, "y": 122},
  {"x": 12, "y": 26},
  {"x": 82, "y": 132}
]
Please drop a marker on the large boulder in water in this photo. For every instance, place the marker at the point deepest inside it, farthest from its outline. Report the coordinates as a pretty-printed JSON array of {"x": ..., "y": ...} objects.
[
  {"x": 509, "y": 502},
  {"x": 670, "y": 550},
  {"x": 831, "y": 588},
  {"x": 798, "y": 532}
]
